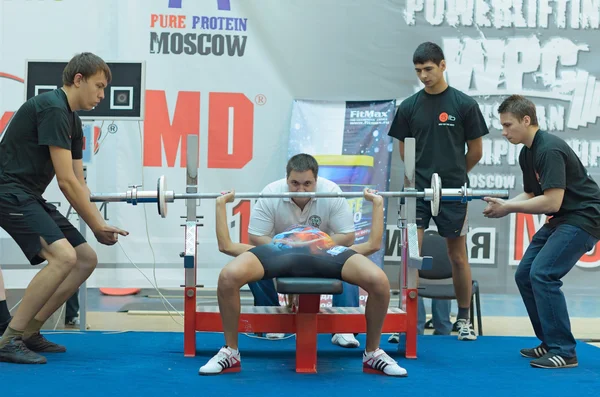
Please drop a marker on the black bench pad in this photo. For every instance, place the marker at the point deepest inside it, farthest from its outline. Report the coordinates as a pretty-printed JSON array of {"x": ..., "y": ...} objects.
[{"x": 307, "y": 285}]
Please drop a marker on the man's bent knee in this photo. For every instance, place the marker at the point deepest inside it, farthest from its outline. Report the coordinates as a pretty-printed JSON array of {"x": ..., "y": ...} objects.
[
  {"x": 376, "y": 282},
  {"x": 230, "y": 279},
  {"x": 86, "y": 257},
  {"x": 540, "y": 278},
  {"x": 522, "y": 278},
  {"x": 60, "y": 254}
]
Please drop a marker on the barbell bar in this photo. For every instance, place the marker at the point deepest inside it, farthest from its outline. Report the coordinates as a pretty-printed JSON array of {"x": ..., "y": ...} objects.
[{"x": 162, "y": 196}]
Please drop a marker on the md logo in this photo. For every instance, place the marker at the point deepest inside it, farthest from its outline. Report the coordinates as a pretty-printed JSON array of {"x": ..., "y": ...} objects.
[{"x": 223, "y": 5}]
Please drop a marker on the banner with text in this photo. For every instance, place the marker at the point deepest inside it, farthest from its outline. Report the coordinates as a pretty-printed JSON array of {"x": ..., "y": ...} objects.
[{"x": 228, "y": 71}]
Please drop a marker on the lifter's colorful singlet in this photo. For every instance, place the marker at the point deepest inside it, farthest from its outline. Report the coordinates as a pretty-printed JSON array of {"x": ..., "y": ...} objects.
[
  {"x": 302, "y": 251},
  {"x": 316, "y": 240}
]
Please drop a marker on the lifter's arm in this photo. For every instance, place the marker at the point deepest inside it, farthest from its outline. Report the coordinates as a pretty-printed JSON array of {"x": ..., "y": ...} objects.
[
  {"x": 345, "y": 239},
  {"x": 227, "y": 246},
  {"x": 373, "y": 244},
  {"x": 79, "y": 196}
]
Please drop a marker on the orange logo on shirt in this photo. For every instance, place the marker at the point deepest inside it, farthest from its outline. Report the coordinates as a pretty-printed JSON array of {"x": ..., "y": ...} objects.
[{"x": 443, "y": 117}]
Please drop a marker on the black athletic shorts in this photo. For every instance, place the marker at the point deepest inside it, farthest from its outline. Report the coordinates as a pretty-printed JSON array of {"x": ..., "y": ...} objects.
[
  {"x": 26, "y": 218},
  {"x": 283, "y": 261},
  {"x": 451, "y": 221}
]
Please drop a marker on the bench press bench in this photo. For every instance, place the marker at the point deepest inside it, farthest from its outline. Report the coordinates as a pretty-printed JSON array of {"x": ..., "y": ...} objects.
[{"x": 306, "y": 319}]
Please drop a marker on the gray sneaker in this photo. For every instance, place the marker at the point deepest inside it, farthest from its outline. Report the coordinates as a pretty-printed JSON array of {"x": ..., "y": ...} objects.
[
  {"x": 16, "y": 352},
  {"x": 38, "y": 343}
]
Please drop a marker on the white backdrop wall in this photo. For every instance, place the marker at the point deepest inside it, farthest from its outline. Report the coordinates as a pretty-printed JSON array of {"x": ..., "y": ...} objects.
[{"x": 257, "y": 56}]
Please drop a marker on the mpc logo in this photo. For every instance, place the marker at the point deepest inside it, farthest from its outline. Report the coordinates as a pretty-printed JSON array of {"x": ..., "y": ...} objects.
[{"x": 222, "y": 5}]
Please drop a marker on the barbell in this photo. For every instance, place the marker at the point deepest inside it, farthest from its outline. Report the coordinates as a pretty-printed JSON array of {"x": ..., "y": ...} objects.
[{"x": 162, "y": 196}]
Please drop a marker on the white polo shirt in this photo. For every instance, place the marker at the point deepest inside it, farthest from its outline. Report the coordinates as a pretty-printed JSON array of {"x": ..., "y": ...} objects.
[{"x": 273, "y": 215}]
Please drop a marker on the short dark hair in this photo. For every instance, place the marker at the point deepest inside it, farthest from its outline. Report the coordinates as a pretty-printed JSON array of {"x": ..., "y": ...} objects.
[
  {"x": 520, "y": 107},
  {"x": 87, "y": 64},
  {"x": 426, "y": 52},
  {"x": 302, "y": 162}
]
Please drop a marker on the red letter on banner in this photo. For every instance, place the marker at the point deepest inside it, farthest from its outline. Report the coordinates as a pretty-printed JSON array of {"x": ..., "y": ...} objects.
[
  {"x": 230, "y": 116},
  {"x": 592, "y": 257},
  {"x": 159, "y": 131},
  {"x": 4, "y": 120},
  {"x": 243, "y": 208},
  {"x": 96, "y": 137},
  {"x": 523, "y": 224}
]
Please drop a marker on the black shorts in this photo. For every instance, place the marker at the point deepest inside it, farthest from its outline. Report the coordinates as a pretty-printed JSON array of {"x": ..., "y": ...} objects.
[
  {"x": 452, "y": 220},
  {"x": 281, "y": 261},
  {"x": 26, "y": 218}
]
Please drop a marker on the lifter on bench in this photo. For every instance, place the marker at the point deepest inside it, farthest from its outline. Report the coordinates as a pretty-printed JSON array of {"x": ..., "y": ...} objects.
[{"x": 302, "y": 251}]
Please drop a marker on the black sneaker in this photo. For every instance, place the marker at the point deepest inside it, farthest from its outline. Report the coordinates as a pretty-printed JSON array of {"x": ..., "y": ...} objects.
[
  {"x": 552, "y": 360},
  {"x": 16, "y": 352},
  {"x": 38, "y": 343},
  {"x": 536, "y": 352},
  {"x": 429, "y": 324}
]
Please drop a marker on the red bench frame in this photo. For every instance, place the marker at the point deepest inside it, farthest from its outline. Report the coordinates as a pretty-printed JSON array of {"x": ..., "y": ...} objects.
[{"x": 305, "y": 320}]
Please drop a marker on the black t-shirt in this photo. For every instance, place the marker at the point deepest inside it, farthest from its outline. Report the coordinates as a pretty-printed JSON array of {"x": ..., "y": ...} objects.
[
  {"x": 551, "y": 163},
  {"x": 441, "y": 125},
  {"x": 44, "y": 120}
]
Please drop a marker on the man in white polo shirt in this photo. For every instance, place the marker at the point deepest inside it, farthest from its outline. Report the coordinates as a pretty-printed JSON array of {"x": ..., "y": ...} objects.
[{"x": 271, "y": 216}]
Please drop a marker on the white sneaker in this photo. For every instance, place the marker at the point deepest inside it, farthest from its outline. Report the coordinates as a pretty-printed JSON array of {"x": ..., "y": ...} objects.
[
  {"x": 224, "y": 361},
  {"x": 275, "y": 336},
  {"x": 378, "y": 362},
  {"x": 345, "y": 340},
  {"x": 465, "y": 330}
]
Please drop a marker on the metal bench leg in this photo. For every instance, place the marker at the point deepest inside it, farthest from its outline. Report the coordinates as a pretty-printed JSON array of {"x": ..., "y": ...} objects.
[
  {"x": 479, "y": 321},
  {"x": 411, "y": 324},
  {"x": 189, "y": 330},
  {"x": 472, "y": 312},
  {"x": 306, "y": 333}
]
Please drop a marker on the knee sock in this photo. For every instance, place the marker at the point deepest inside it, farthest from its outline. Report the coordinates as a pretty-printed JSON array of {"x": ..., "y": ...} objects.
[
  {"x": 463, "y": 313},
  {"x": 4, "y": 313},
  {"x": 8, "y": 335},
  {"x": 32, "y": 328}
]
